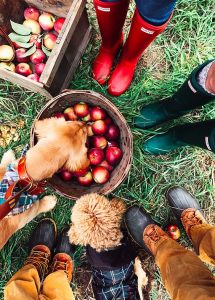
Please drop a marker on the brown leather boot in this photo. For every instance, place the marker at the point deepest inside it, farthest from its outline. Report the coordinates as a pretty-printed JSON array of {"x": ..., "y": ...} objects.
[
  {"x": 153, "y": 236},
  {"x": 41, "y": 246},
  {"x": 191, "y": 217},
  {"x": 62, "y": 259}
]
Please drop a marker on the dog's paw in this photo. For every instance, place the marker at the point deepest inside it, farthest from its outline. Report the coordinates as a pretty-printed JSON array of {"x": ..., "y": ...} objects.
[
  {"x": 8, "y": 158},
  {"x": 47, "y": 203}
]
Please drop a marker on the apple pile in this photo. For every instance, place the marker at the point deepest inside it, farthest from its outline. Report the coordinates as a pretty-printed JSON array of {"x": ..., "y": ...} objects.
[
  {"x": 33, "y": 41},
  {"x": 104, "y": 151}
]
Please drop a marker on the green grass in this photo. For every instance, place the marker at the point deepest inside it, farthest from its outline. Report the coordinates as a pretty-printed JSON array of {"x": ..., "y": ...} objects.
[{"x": 188, "y": 41}]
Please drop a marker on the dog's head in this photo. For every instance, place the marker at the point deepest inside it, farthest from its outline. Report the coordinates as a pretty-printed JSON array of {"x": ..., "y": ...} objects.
[
  {"x": 61, "y": 144},
  {"x": 96, "y": 222}
]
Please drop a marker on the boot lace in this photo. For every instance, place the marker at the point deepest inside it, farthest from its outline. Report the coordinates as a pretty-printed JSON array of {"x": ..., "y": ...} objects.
[
  {"x": 192, "y": 218},
  {"x": 40, "y": 260},
  {"x": 60, "y": 266}
]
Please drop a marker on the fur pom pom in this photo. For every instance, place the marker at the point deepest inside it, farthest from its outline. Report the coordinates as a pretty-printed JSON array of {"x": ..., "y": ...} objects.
[{"x": 96, "y": 222}]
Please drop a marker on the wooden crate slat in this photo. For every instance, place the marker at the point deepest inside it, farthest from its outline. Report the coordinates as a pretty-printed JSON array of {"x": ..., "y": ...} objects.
[
  {"x": 62, "y": 42},
  {"x": 57, "y": 7},
  {"x": 27, "y": 83}
]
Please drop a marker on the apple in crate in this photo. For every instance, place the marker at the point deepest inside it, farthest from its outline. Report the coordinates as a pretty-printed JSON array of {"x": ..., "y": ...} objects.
[
  {"x": 37, "y": 57},
  {"x": 96, "y": 156},
  {"x": 108, "y": 121},
  {"x": 99, "y": 142},
  {"x": 34, "y": 77},
  {"x": 39, "y": 68},
  {"x": 46, "y": 21},
  {"x": 31, "y": 13},
  {"x": 173, "y": 231},
  {"x": 97, "y": 113},
  {"x": 112, "y": 132},
  {"x": 50, "y": 40},
  {"x": 35, "y": 40},
  {"x": 19, "y": 53},
  {"x": 59, "y": 24},
  {"x": 23, "y": 69},
  {"x": 100, "y": 175},
  {"x": 113, "y": 155},
  {"x": 8, "y": 66},
  {"x": 81, "y": 109},
  {"x": 66, "y": 175},
  {"x": 70, "y": 114},
  {"x": 6, "y": 53},
  {"x": 33, "y": 25},
  {"x": 86, "y": 180},
  {"x": 99, "y": 127},
  {"x": 87, "y": 118}
]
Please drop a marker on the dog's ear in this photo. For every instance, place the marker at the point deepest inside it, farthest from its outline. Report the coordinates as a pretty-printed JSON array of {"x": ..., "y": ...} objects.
[{"x": 47, "y": 127}]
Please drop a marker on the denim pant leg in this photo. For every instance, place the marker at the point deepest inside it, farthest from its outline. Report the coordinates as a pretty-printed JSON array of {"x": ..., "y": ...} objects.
[{"x": 156, "y": 12}]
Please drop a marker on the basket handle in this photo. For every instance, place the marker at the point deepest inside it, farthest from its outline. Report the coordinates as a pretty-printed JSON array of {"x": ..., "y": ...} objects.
[{"x": 6, "y": 37}]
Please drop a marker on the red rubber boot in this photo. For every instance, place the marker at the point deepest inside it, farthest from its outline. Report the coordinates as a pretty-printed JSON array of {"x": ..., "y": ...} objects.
[
  {"x": 111, "y": 17},
  {"x": 140, "y": 36}
]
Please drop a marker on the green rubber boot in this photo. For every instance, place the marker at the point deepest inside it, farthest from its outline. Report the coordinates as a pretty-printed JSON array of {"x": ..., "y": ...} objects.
[
  {"x": 189, "y": 96},
  {"x": 201, "y": 134}
]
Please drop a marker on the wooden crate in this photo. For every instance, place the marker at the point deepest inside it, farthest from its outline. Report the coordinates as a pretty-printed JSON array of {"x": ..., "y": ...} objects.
[{"x": 70, "y": 45}]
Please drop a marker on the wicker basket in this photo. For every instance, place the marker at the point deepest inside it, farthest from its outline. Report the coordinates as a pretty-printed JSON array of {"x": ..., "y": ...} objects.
[{"x": 73, "y": 190}]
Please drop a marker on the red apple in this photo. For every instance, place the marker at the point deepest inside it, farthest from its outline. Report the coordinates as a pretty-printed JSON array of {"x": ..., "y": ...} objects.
[
  {"x": 16, "y": 45},
  {"x": 96, "y": 156},
  {"x": 81, "y": 109},
  {"x": 173, "y": 231},
  {"x": 39, "y": 68},
  {"x": 106, "y": 165},
  {"x": 19, "y": 53},
  {"x": 34, "y": 77},
  {"x": 97, "y": 113},
  {"x": 89, "y": 130},
  {"x": 23, "y": 69},
  {"x": 100, "y": 175},
  {"x": 108, "y": 121},
  {"x": 33, "y": 25},
  {"x": 112, "y": 132},
  {"x": 35, "y": 39},
  {"x": 31, "y": 13},
  {"x": 70, "y": 114},
  {"x": 38, "y": 57},
  {"x": 59, "y": 24},
  {"x": 99, "y": 142},
  {"x": 50, "y": 40},
  {"x": 59, "y": 115},
  {"x": 47, "y": 21},
  {"x": 80, "y": 173},
  {"x": 66, "y": 175},
  {"x": 113, "y": 155},
  {"x": 87, "y": 118},
  {"x": 113, "y": 144},
  {"x": 86, "y": 180},
  {"x": 99, "y": 127}
]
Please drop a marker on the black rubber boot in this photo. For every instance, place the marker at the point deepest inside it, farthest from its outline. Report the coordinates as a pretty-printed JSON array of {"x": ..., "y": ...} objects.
[
  {"x": 63, "y": 245},
  {"x": 44, "y": 234},
  {"x": 179, "y": 199},
  {"x": 201, "y": 134},
  {"x": 136, "y": 220},
  {"x": 189, "y": 96}
]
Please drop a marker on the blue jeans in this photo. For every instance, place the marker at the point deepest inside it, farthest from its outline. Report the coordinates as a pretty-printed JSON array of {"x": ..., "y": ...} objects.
[{"x": 155, "y": 12}]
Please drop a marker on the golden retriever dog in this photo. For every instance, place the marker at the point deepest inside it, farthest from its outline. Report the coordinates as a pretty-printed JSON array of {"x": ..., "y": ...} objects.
[
  {"x": 96, "y": 221},
  {"x": 60, "y": 144}
]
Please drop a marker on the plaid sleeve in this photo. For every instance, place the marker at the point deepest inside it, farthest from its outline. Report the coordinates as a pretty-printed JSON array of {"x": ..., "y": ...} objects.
[{"x": 118, "y": 284}]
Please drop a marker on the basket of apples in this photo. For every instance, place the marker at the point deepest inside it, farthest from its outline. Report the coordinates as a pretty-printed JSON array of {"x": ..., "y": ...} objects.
[{"x": 110, "y": 143}]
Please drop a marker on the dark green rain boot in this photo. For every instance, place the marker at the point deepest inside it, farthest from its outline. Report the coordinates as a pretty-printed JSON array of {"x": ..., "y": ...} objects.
[
  {"x": 189, "y": 96},
  {"x": 201, "y": 134}
]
